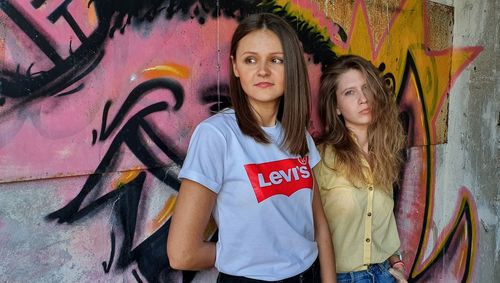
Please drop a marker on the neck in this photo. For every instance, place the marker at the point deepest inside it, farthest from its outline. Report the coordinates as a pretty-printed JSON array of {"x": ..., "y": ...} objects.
[
  {"x": 266, "y": 114},
  {"x": 362, "y": 138}
]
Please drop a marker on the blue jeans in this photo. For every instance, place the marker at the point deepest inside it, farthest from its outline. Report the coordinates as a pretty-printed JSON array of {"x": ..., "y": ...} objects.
[{"x": 376, "y": 273}]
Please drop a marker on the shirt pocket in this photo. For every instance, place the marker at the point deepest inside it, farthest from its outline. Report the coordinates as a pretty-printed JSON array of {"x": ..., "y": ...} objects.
[{"x": 333, "y": 181}]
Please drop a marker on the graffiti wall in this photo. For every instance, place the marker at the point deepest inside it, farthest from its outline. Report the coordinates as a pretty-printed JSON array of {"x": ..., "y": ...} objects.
[{"x": 98, "y": 100}]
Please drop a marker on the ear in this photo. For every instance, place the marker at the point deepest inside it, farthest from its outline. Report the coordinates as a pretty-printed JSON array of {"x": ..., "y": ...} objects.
[{"x": 235, "y": 70}]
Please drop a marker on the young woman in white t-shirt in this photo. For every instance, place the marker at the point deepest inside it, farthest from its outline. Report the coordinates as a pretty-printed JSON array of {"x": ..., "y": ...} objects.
[{"x": 251, "y": 167}]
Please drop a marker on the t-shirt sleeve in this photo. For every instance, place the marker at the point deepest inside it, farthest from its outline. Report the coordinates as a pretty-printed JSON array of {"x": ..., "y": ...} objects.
[
  {"x": 314, "y": 156},
  {"x": 204, "y": 161}
]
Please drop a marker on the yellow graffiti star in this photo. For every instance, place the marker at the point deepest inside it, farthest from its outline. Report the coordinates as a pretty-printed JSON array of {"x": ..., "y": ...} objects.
[{"x": 404, "y": 40}]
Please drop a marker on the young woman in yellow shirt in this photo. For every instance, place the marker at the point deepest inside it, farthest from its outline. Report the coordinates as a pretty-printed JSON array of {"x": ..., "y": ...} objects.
[{"x": 360, "y": 161}]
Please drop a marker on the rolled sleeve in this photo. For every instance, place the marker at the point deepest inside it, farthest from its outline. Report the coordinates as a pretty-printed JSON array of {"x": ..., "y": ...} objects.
[{"x": 204, "y": 161}]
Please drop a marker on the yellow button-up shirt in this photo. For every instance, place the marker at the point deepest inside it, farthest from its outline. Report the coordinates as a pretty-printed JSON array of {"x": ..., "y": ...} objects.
[{"x": 360, "y": 218}]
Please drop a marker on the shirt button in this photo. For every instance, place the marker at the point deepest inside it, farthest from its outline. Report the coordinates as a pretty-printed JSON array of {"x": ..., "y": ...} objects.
[
  {"x": 367, "y": 240},
  {"x": 369, "y": 214},
  {"x": 370, "y": 188}
]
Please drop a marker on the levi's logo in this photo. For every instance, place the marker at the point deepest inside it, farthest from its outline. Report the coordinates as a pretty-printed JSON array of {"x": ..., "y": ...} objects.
[{"x": 283, "y": 177}]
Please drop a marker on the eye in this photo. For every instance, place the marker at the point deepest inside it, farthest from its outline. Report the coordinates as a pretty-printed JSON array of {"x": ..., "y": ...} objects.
[
  {"x": 277, "y": 60},
  {"x": 349, "y": 92},
  {"x": 250, "y": 60}
]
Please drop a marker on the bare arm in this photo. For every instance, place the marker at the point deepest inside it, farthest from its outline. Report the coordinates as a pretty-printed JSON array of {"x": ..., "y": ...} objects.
[
  {"x": 393, "y": 259},
  {"x": 324, "y": 240},
  {"x": 186, "y": 246},
  {"x": 397, "y": 269}
]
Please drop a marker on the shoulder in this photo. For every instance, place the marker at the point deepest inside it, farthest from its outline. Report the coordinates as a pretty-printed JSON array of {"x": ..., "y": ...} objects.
[
  {"x": 313, "y": 153},
  {"x": 327, "y": 152},
  {"x": 225, "y": 116},
  {"x": 328, "y": 159},
  {"x": 220, "y": 122},
  {"x": 326, "y": 172}
]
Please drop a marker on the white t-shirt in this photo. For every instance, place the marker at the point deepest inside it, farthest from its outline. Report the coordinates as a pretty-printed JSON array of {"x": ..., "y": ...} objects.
[{"x": 264, "y": 198}]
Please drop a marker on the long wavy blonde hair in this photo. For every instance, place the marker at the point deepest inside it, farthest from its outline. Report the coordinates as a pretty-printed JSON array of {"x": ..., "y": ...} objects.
[{"x": 386, "y": 138}]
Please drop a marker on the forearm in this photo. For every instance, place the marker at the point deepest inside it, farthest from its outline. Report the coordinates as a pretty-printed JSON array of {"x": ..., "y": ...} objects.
[
  {"x": 187, "y": 249},
  {"x": 396, "y": 261},
  {"x": 324, "y": 240},
  {"x": 397, "y": 268},
  {"x": 393, "y": 259},
  {"x": 193, "y": 258},
  {"x": 326, "y": 255}
]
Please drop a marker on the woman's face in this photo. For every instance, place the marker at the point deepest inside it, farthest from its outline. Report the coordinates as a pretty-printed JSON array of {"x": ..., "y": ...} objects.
[
  {"x": 259, "y": 64},
  {"x": 352, "y": 102}
]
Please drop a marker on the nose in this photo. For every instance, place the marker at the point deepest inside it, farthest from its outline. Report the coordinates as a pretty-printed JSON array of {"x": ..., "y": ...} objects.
[
  {"x": 362, "y": 98},
  {"x": 263, "y": 70}
]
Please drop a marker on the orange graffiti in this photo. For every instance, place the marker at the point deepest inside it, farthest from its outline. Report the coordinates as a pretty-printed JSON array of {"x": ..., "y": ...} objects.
[{"x": 171, "y": 69}]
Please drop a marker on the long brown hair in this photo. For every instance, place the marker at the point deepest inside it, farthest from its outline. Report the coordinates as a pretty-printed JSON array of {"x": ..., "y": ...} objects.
[
  {"x": 294, "y": 106},
  {"x": 386, "y": 137}
]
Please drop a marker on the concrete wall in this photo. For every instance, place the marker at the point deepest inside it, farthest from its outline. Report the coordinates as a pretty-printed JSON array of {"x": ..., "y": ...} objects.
[
  {"x": 97, "y": 104},
  {"x": 471, "y": 157}
]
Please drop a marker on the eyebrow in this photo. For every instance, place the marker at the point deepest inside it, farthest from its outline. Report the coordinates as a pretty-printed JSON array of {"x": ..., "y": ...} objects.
[
  {"x": 252, "y": 53},
  {"x": 271, "y": 53},
  {"x": 344, "y": 89},
  {"x": 353, "y": 87}
]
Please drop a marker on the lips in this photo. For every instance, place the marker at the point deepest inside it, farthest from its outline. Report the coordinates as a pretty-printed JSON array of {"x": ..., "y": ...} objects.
[
  {"x": 264, "y": 84},
  {"x": 365, "y": 111}
]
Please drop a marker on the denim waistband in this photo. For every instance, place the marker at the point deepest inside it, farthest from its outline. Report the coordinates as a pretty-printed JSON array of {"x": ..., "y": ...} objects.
[{"x": 373, "y": 268}]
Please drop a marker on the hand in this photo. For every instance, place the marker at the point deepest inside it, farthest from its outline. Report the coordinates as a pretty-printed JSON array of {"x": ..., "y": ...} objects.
[{"x": 398, "y": 274}]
